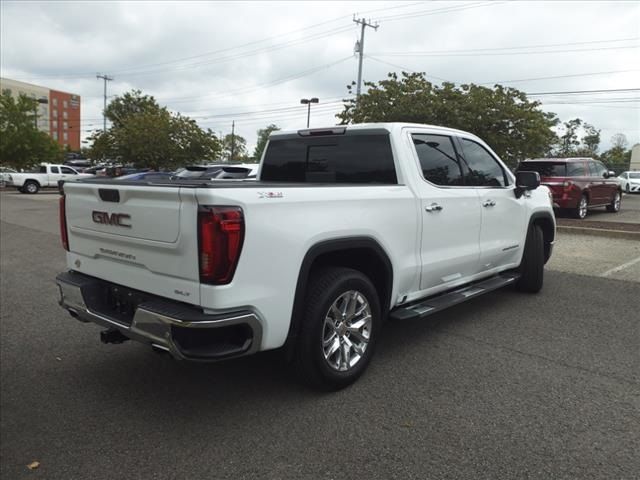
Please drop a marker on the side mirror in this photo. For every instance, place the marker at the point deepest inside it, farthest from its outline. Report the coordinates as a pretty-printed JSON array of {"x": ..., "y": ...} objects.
[
  {"x": 609, "y": 174},
  {"x": 526, "y": 181}
]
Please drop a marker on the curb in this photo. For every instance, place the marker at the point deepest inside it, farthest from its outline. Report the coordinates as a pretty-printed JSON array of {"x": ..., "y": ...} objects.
[{"x": 599, "y": 232}]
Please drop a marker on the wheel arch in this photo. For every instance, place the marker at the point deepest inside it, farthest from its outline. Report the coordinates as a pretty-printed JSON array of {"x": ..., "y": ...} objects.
[
  {"x": 546, "y": 222},
  {"x": 364, "y": 254},
  {"x": 32, "y": 180}
]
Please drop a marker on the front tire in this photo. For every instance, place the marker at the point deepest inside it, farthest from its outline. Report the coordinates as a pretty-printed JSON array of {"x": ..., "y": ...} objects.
[
  {"x": 532, "y": 266},
  {"x": 614, "y": 206},
  {"x": 339, "y": 330}
]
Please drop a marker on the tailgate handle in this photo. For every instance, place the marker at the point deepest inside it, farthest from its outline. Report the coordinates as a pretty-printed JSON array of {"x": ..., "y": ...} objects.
[{"x": 109, "y": 195}]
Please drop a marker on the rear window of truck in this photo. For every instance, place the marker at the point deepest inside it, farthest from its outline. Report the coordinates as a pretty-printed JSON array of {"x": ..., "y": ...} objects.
[
  {"x": 330, "y": 159},
  {"x": 545, "y": 169}
]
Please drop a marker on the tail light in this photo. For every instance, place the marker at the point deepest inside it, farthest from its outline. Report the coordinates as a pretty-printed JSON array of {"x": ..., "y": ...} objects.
[
  {"x": 64, "y": 236},
  {"x": 567, "y": 184},
  {"x": 220, "y": 237}
]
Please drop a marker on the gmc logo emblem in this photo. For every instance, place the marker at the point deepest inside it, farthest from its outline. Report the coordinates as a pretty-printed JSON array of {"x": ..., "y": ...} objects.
[{"x": 106, "y": 218}]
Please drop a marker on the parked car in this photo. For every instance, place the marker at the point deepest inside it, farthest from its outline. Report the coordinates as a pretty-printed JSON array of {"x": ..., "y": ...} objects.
[
  {"x": 577, "y": 184},
  {"x": 4, "y": 174},
  {"x": 47, "y": 176},
  {"x": 218, "y": 172},
  {"x": 630, "y": 182},
  {"x": 147, "y": 177},
  {"x": 344, "y": 228}
]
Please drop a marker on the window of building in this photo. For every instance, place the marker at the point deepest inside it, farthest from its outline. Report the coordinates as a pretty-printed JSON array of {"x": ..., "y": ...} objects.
[
  {"x": 65, "y": 115},
  {"x": 65, "y": 104},
  {"x": 65, "y": 125},
  {"x": 54, "y": 112},
  {"x": 55, "y": 124},
  {"x": 55, "y": 135},
  {"x": 438, "y": 159},
  {"x": 484, "y": 170},
  {"x": 55, "y": 102},
  {"x": 65, "y": 136}
]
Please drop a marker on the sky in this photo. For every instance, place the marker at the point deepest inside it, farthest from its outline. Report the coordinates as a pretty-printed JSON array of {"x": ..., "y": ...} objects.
[{"x": 252, "y": 62}]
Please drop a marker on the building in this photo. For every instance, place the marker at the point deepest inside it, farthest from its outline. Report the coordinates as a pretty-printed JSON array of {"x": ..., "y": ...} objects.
[
  {"x": 635, "y": 157},
  {"x": 58, "y": 112}
]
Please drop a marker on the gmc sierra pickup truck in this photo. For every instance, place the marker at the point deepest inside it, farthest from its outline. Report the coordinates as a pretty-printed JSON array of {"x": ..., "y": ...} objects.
[{"x": 344, "y": 228}]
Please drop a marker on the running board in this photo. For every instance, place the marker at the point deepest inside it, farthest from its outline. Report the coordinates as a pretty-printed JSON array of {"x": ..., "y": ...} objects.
[{"x": 432, "y": 305}]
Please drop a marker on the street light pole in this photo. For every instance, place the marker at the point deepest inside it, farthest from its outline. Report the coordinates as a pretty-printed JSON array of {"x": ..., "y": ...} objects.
[{"x": 308, "y": 102}]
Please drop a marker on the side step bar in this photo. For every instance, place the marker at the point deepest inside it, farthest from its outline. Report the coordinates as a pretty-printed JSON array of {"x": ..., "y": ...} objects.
[{"x": 424, "y": 308}]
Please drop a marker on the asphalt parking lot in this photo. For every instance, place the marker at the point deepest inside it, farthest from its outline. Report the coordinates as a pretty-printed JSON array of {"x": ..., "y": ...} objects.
[{"x": 506, "y": 386}]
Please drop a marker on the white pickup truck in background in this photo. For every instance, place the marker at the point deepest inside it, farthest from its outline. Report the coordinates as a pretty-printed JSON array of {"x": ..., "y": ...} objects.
[
  {"x": 344, "y": 228},
  {"x": 47, "y": 176}
]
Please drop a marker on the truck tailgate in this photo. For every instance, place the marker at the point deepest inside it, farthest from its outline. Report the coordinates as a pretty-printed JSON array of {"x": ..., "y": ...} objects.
[{"x": 143, "y": 237}]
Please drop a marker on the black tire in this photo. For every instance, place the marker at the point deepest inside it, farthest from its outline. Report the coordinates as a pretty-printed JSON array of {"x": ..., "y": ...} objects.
[
  {"x": 31, "y": 187},
  {"x": 579, "y": 212},
  {"x": 327, "y": 286},
  {"x": 532, "y": 266},
  {"x": 616, "y": 201},
  {"x": 20, "y": 190}
]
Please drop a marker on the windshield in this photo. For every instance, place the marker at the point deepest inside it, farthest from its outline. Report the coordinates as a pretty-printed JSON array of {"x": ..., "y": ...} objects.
[
  {"x": 545, "y": 169},
  {"x": 634, "y": 174},
  {"x": 196, "y": 172}
]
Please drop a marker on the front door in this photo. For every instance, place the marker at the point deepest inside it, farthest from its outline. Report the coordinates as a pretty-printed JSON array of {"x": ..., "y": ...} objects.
[{"x": 503, "y": 215}]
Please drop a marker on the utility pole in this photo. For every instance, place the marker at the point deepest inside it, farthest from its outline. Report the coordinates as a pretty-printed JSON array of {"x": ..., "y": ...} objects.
[
  {"x": 363, "y": 23},
  {"x": 233, "y": 142},
  {"x": 106, "y": 79}
]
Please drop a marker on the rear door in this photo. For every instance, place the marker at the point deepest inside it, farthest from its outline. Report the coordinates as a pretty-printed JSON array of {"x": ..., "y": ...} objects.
[
  {"x": 450, "y": 213},
  {"x": 53, "y": 175},
  {"x": 503, "y": 215},
  {"x": 140, "y": 236}
]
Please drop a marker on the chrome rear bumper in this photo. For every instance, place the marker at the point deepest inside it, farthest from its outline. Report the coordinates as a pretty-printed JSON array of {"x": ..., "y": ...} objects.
[{"x": 180, "y": 329}]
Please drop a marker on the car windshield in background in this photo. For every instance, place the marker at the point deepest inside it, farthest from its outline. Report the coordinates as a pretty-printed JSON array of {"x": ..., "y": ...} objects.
[
  {"x": 634, "y": 175},
  {"x": 197, "y": 172},
  {"x": 545, "y": 169}
]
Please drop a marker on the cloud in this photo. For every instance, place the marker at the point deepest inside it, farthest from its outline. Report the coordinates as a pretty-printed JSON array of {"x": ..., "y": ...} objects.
[{"x": 63, "y": 45}]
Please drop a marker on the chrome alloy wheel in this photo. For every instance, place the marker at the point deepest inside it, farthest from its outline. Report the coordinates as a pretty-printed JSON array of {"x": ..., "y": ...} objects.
[
  {"x": 582, "y": 208},
  {"x": 346, "y": 331},
  {"x": 616, "y": 202},
  {"x": 31, "y": 187}
]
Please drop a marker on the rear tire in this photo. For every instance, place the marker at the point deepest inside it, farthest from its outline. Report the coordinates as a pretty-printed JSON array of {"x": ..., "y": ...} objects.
[
  {"x": 614, "y": 206},
  {"x": 339, "y": 330},
  {"x": 31, "y": 187},
  {"x": 580, "y": 212},
  {"x": 532, "y": 266}
]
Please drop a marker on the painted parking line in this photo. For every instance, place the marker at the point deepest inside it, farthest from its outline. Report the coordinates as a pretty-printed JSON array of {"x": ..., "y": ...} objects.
[{"x": 620, "y": 267}]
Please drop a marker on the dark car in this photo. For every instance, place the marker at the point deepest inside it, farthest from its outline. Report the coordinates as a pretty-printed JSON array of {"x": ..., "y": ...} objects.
[{"x": 577, "y": 184}]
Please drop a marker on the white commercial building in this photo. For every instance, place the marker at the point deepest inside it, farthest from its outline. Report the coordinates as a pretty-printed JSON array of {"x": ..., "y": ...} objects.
[
  {"x": 41, "y": 94},
  {"x": 635, "y": 157}
]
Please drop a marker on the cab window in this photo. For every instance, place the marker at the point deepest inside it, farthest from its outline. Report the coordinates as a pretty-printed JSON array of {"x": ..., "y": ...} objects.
[
  {"x": 438, "y": 159},
  {"x": 484, "y": 169},
  {"x": 55, "y": 170},
  {"x": 68, "y": 170}
]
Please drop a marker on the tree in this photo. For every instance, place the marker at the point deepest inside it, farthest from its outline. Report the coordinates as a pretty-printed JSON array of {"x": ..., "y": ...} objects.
[
  {"x": 502, "y": 116},
  {"x": 145, "y": 134},
  {"x": 263, "y": 136},
  {"x": 239, "y": 148},
  {"x": 617, "y": 157},
  {"x": 22, "y": 145},
  {"x": 568, "y": 141},
  {"x": 619, "y": 140}
]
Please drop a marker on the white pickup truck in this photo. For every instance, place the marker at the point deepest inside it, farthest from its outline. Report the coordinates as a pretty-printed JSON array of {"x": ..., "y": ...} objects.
[
  {"x": 47, "y": 176},
  {"x": 345, "y": 228}
]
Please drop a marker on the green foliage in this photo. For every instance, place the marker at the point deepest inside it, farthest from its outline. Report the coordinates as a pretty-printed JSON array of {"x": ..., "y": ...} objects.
[
  {"x": 502, "y": 116},
  {"x": 571, "y": 144},
  {"x": 239, "y": 149},
  {"x": 263, "y": 136},
  {"x": 618, "y": 157},
  {"x": 146, "y": 135},
  {"x": 22, "y": 145}
]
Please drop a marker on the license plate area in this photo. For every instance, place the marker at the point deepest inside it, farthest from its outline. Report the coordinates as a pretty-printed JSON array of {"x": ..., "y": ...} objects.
[{"x": 115, "y": 302}]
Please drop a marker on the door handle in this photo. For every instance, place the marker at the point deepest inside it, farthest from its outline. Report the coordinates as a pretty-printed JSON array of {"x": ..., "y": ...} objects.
[
  {"x": 434, "y": 207},
  {"x": 489, "y": 203}
]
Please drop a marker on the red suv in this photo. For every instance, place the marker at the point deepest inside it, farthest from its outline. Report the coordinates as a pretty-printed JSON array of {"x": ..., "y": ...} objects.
[{"x": 577, "y": 184}]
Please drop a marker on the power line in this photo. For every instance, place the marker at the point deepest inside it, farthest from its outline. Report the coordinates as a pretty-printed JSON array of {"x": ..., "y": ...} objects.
[
  {"x": 582, "y": 92},
  {"x": 360, "y": 46}
]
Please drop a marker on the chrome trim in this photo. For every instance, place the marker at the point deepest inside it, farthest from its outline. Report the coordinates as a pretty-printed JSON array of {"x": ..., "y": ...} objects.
[{"x": 154, "y": 328}]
